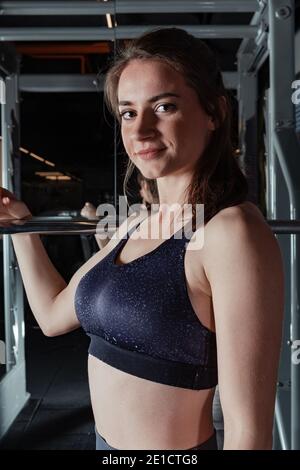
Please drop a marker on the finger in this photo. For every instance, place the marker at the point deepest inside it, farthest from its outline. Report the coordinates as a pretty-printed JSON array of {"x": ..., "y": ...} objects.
[{"x": 4, "y": 192}]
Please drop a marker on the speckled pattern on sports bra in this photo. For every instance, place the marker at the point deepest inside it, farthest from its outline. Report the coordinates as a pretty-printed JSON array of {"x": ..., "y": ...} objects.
[{"x": 140, "y": 318}]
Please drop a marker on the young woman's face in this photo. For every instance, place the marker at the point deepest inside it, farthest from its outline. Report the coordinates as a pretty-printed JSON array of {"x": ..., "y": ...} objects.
[{"x": 164, "y": 127}]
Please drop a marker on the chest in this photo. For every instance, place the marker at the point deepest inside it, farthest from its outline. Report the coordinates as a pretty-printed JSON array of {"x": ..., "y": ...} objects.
[{"x": 197, "y": 285}]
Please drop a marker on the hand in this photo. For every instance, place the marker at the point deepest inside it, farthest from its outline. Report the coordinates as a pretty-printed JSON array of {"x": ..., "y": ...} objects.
[
  {"x": 88, "y": 211},
  {"x": 11, "y": 208}
]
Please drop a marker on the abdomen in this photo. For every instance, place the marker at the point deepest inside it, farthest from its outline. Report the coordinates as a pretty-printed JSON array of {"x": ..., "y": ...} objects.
[{"x": 134, "y": 413}]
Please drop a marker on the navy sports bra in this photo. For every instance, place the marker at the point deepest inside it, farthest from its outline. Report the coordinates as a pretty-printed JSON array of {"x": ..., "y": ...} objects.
[{"x": 140, "y": 318}]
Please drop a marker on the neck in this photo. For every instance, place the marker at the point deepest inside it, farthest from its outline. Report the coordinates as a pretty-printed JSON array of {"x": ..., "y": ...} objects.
[{"x": 172, "y": 189}]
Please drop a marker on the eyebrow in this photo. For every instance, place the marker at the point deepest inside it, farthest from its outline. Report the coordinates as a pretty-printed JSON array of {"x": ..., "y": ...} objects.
[{"x": 152, "y": 99}]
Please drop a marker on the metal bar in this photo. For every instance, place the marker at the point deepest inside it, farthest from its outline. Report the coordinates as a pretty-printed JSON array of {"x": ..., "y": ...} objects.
[
  {"x": 284, "y": 227},
  {"x": 282, "y": 25},
  {"x": 274, "y": 205},
  {"x": 126, "y": 6},
  {"x": 121, "y": 32},
  {"x": 13, "y": 289},
  {"x": 60, "y": 83},
  {"x": 257, "y": 20},
  {"x": 70, "y": 225},
  {"x": 257, "y": 49},
  {"x": 49, "y": 225},
  {"x": 6, "y": 241},
  {"x": 271, "y": 160},
  {"x": 13, "y": 393},
  {"x": 247, "y": 101},
  {"x": 45, "y": 83},
  {"x": 6, "y": 182},
  {"x": 280, "y": 425}
]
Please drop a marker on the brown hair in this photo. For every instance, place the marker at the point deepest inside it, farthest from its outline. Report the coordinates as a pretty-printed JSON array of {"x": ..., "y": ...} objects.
[
  {"x": 218, "y": 181},
  {"x": 151, "y": 185}
]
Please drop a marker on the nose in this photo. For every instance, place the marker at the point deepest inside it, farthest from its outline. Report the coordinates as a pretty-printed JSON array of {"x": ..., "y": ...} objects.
[{"x": 144, "y": 126}]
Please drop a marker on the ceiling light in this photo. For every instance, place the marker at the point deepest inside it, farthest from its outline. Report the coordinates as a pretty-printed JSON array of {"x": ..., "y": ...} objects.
[{"x": 108, "y": 20}]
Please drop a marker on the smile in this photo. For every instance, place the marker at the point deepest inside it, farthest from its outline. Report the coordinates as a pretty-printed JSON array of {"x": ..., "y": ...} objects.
[{"x": 149, "y": 154}]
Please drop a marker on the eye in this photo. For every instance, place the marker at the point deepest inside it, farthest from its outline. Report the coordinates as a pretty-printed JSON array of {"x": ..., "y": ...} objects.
[
  {"x": 126, "y": 115},
  {"x": 165, "y": 107}
]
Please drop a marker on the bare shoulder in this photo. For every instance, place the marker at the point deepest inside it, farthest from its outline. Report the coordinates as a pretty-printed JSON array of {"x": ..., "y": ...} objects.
[
  {"x": 245, "y": 217},
  {"x": 246, "y": 210},
  {"x": 238, "y": 229},
  {"x": 228, "y": 228}
]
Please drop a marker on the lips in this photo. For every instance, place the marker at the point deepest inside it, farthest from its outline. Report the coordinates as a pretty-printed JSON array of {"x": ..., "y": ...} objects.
[{"x": 150, "y": 153}]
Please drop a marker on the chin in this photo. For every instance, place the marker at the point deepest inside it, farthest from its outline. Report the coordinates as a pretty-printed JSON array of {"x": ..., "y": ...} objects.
[
  {"x": 155, "y": 171},
  {"x": 150, "y": 175}
]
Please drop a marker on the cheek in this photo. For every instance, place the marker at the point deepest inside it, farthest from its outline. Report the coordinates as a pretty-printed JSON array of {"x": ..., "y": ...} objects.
[{"x": 193, "y": 136}]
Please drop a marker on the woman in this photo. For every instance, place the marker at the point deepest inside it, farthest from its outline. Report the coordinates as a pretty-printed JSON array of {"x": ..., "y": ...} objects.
[{"x": 154, "y": 309}]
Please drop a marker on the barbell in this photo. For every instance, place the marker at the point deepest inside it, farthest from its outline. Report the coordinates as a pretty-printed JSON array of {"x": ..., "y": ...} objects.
[{"x": 74, "y": 226}]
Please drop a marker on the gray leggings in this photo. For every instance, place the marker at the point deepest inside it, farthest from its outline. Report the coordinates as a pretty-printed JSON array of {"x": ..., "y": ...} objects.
[{"x": 210, "y": 444}]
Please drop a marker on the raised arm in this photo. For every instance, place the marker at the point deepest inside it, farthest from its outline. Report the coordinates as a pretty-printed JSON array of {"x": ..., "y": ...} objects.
[
  {"x": 244, "y": 267},
  {"x": 50, "y": 298}
]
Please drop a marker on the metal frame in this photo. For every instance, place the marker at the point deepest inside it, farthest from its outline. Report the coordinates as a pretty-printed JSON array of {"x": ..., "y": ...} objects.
[
  {"x": 73, "y": 225},
  {"x": 247, "y": 100},
  {"x": 61, "y": 83},
  {"x": 270, "y": 30},
  {"x": 83, "y": 83},
  {"x": 126, "y": 6},
  {"x": 287, "y": 148},
  {"x": 275, "y": 41},
  {"x": 13, "y": 393},
  {"x": 121, "y": 32}
]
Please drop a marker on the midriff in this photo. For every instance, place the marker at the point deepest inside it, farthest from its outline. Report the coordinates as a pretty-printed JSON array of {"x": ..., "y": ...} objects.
[{"x": 134, "y": 413}]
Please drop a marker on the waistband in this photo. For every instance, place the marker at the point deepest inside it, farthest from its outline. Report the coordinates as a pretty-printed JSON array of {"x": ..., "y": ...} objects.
[
  {"x": 209, "y": 444},
  {"x": 162, "y": 371}
]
